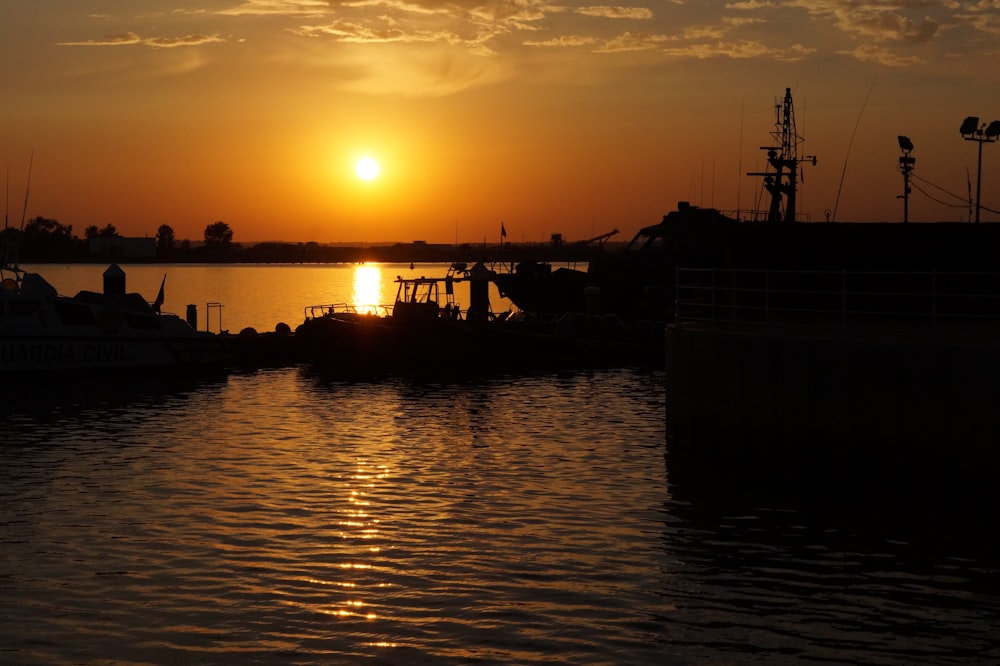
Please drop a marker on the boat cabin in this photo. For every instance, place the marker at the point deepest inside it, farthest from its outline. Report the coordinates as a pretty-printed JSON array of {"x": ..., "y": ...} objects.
[{"x": 419, "y": 298}]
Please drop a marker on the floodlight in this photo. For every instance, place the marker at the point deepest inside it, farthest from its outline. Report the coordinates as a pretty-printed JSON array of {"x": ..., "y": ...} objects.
[
  {"x": 972, "y": 132},
  {"x": 970, "y": 125},
  {"x": 905, "y": 144}
]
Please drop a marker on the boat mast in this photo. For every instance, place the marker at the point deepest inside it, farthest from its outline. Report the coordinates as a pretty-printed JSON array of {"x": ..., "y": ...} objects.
[{"x": 782, "y": 183}]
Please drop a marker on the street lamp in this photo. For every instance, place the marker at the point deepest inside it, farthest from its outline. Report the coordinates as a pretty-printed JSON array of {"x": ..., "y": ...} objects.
[
  {"x": 971, "y": 130},
  {"x": 906, "y": 166}
]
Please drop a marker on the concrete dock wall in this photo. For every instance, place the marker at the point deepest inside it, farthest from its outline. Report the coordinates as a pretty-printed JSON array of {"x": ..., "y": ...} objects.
[{"x": 872, "y": 409}]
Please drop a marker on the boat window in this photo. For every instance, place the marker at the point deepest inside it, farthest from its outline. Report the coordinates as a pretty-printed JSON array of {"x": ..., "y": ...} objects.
[
  {"x": 638, "y": 243},
  {"x": 75, "y": 314}
]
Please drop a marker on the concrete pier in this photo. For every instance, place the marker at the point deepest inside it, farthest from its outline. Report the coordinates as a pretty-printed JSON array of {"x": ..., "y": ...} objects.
[{"x": 914, "y": 412}]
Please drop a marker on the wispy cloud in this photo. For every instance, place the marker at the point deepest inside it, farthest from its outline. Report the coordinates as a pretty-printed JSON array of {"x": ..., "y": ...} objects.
[
  {"x": 131, "y": 39},
  {"x": 892, "y": 33},
  {"x": 881, "y": 21},
  {"x": 752, "y": 4},
  {"x": 564, "y": 41},
  {"x": 986, "y": 23},
  {"x": 357, "y": 33},
  {"x": 740, "y": 50},
  {"x": 632, "y": 42},
  {"x": 882, "y": 56},
  {"x": 277, "y": 8},
  {"x": 640, "y": 13}
]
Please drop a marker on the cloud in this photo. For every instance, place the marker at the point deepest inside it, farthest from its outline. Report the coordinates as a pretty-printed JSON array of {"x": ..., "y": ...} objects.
[
  {"x": 987, "y": 23},
  {"x": 743, "y": 20},
  {"x": 505, "y": 31},
  {"x": 741, "y": 50},
  {"x": 696, "y": 32},
  {"x": 893, "y": 27},
  {"x": 277, "y": 8},
  {"x": 131, "y": 38},
  {"x": 616, "y": 12},
  {"x": 632, "y": 42},
  {"x": 189, "y": 40},
  {"x": 564, "y": 41},
  {"x": 880, "y": 21},
  {"x": 356, "y": 33},
  {"x": 108, "y": 40},
  {"x": 430, "y": 72},
  {"x": 751, "y": 4},
  {"x": 882, "y": 56}
]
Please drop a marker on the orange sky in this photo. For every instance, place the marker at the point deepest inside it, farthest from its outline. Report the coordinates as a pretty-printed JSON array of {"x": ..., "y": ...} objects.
[{"x": 569, "y": 118}]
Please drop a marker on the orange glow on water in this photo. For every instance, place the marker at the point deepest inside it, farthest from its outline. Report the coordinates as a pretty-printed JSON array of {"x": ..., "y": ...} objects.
[{"x": 367, "y": 294}]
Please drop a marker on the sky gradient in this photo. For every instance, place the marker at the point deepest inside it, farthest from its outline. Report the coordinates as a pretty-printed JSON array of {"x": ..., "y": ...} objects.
[{"x": 564, "y": 117}]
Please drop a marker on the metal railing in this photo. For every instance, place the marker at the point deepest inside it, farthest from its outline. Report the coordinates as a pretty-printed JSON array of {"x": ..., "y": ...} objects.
[
  {"x": 846, "y": 299},
  {"x": 318, "y": 311}
]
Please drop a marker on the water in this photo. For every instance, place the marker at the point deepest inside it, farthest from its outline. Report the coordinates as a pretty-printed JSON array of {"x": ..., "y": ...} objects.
[
  {"x": 277, "y": 517},
  {"x": 256, "y": 295}
]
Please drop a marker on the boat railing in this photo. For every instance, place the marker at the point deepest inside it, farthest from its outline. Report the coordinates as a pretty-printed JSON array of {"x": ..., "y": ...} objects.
[
  {"x": 510, "y": 266},
  {"x": 216, "y": 309},
  {"x": 756, "y": 215},
  {"x": 318, "y": 311},
  {"x": 886, "y": 300}
]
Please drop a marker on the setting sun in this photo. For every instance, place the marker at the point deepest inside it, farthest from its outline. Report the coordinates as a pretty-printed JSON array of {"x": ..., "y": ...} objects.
[{"x": 366, "y": 168}]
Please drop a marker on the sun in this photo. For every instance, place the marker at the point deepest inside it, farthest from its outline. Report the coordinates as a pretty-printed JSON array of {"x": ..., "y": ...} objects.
[{"x": 366, "y": 168}]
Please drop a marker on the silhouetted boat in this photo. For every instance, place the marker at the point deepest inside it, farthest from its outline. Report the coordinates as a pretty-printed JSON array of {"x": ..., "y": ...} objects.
[
  {"x": 41, "y": 330},
  {"x": 419, "y": 335},
  {"x": 633, "y": 283}
]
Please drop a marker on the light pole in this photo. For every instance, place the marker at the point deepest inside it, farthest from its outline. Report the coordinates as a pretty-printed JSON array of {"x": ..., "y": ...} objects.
[
  {"x": 972, "y": 131},
  {"x": 906, "y": 166}
]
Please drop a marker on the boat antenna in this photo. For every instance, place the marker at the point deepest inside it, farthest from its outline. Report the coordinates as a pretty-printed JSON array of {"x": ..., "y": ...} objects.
[
  {"x": 849, "y": 144},
  {"x": 739, "y": 161},
  {"x": 782, "y": 183},
  {"x": 3, "y": 259},
  {"x": 27, "y": 189}
]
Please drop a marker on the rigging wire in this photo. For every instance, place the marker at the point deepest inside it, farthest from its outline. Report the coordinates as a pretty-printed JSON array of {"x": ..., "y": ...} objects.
[
  {"x": 963, "y": 200},
  {"x": 27, "y": 189},
  {"x": 938, "y": 187},
  {"x": 939, "y": 201},
  {"x": 851, "y": 143}
]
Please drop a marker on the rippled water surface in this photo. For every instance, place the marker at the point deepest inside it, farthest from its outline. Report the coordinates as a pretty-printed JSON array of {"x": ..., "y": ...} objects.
[{"x": 277, "y": 518}]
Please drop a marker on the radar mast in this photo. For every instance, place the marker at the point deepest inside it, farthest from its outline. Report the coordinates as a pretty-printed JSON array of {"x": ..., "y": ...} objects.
[{"x": 781, "y": 180}]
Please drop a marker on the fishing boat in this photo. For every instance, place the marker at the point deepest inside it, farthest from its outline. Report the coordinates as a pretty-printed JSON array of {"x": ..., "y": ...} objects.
[
  {"x": 633, "y": 283},
  {"x": 427, "y": 332},
  {"x": 44, "y": 331}
]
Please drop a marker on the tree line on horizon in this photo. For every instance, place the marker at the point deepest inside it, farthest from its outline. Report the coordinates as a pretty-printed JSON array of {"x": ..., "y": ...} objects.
[{"x": 44, "y": 239}]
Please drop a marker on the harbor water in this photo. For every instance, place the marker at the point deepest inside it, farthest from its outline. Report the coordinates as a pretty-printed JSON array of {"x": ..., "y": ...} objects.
[{"x": 280, "y": 517}]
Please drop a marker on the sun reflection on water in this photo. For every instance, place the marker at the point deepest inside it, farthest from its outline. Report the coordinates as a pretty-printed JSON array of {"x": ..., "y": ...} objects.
[
  {"x": 367, "y": 294},
  {"x": 357, "y": 523}
]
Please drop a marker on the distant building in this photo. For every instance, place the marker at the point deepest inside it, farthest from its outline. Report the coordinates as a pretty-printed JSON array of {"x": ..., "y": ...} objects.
[{"x": 119, "y": 246}]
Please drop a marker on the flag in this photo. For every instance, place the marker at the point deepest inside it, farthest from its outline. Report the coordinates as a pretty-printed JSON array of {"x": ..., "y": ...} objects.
[
  {"x": 159, "y": 297},
  {"x": 503, "y": 231}
]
